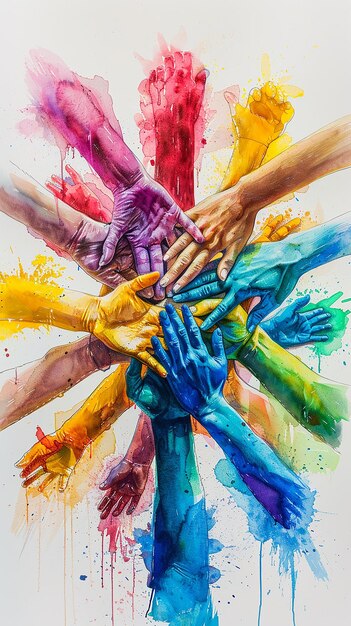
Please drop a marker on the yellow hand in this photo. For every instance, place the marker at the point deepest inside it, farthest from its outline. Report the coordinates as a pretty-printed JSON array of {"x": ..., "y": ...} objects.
[
  {"x": 274, "y": 230},
  {"x": 126, "y": 323},
  {"x": 255, "y": 127},
  {"x": 55, "y": 455}
]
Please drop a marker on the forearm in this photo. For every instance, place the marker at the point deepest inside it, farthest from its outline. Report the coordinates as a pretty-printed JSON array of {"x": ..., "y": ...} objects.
[
  {"x": 322, "y": 153},
  {"x": 321, "y": 244},
  {"x": 319, "y": 405},
  {"x": 180, "y": 534},
  {"x": 29, "y": 301},
  {"x": 102, "y": 408},
  {"x": 142, "y": 447},
  {"x": 50, "y": 218},
  {"x": 61, "y": 368}
]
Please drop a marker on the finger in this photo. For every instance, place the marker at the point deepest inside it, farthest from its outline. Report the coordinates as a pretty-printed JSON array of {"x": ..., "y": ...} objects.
[
  {"x": 172, "y": 237},
  {"x": 190, "y": 227},
  {"x": 193, "y": 270},
  {"x": 156, "y": 263},
  {"x": 213, "y": 289},
  {"x": 63, "y": 481},
  {"x": 46, "y": 482},
  {"x": 150, "y": 361},
  {"x": 320, "y": 327},
  {"x": 266, "y": 305},
  {"x": 76, "y": 178},
  {"x": 109, "y": 248},
  {"x": 141, "y": 282},
  {"x": 106, "y": 511},
  {"x": 119, "y": 506},
  {"x": 285, "y": 230},
  {"x": 227, "y": 261},
  {"x": 181, "y": 243},
  {"x": 57, "y": 192},
  {"x": 319, "y": 338},
  {"x": 133, "y": 504},
  {"x": 319, "y": 317},
  {"x": 33, "y": 477},
  {"x": 205, "y": 307},
  {"x": 59, "y": 181},
  {"x": 181, "y": 263},
  {"x": 178, "y": 327},
  {"x": 103, "y": 502},
  {"x": 226, "y": 305},
  {"x": 218, "y": 346},
  {"x": 161, "y": 354},
  {"x": 192, "y": 328},
  {"x": 301, "y": 302},
  {"x": 313, "y": 313},
  {"x": 171, "y": 339},
  {"x": 203, "y": 279}
]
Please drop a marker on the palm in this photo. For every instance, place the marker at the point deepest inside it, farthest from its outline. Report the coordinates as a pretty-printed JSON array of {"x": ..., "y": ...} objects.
[{"x": 124, "y": 486}]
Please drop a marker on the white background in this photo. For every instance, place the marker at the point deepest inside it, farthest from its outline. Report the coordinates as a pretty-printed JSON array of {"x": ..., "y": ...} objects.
[{"x": 312, "y": 41}]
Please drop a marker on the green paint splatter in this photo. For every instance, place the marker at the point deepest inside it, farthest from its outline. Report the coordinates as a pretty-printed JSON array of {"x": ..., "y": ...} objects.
[{"x": 338, "y": 319}]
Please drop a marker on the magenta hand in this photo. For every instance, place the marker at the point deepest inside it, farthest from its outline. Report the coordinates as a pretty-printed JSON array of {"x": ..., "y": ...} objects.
[
  {"x": 79, "y": 114},
  {"x": 146, "y": 215}
]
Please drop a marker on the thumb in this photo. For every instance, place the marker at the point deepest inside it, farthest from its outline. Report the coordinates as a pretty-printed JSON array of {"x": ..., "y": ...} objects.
[
  {"x": 300, "y": 302},
  {"x": 266, "y": 305},
  {"x": 143, "y": 281}
]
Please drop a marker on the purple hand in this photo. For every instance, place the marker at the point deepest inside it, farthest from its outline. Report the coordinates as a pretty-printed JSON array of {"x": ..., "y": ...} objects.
[{"x": 146, "y": 215}]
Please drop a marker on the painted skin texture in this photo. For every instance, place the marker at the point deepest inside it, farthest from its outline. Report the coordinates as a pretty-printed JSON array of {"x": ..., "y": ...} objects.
[
  {"x": 180, "y": 565},
  {"x": 54, "y": 456},
  {"x": 227, "y": 218},
  {"x": 143, "y": 211},
  {"x": 122, "y": 320},
  {"x": 200, "y": 391},
  {"x": 172, "y": 122},
  {"x": 255, "y": 127},
  {"x": 271, "y": 273}
]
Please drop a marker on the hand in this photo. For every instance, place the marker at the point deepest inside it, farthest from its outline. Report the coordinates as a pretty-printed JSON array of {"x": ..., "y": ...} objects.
[
  {"x": 293, "y": 327},
  {"x": 267, "y": 270},
  {"x": 125, "y": 322},
  {"x": 53, "y": 456},
  {"x": 225, "y": 226},
  {"x": 195, "y": 377},
  {"x": 77, "y": 235},
  {"x": 78, "y": 195},
  {"x": 152, "y": 394},
  {"x": 146, "y": 215},
  {"x": 125, "y": 484},
  {"x": 274, "y": 230}
]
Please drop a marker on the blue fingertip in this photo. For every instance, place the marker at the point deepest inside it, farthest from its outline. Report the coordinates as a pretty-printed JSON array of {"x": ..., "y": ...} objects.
[
  {"x": 170, "y": 308},
  {"x": 163, "y": 315},
  {"x": 178, "y": 298}
]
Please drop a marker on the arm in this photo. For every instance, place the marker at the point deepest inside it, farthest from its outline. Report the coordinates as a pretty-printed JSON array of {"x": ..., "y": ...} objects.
[
  {"x": 227, "y": 218},
  {"x": 180, "y": 569},
  {"x": 55, "y": 455},
  {"x": 197, "y": 381},
  {"x": 62, "y": 368},
  {"x": 122, "y": 320}
]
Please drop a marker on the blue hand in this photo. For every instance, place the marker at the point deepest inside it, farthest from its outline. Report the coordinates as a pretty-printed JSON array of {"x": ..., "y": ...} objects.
[
  {"x": 293, "y": 327},
  {"x": 266, "y": 270},
  {"x": 195, "y": 377}
]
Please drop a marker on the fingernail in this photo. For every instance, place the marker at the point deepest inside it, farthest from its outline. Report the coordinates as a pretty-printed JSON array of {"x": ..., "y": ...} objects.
[
  {"x": 176, "y": 288},
  {"x": 165, "y": 257},
  {"x": 163, "y": 282},
  {"x": 192, "y": 309},
  {"x": 223, "y": 274}
]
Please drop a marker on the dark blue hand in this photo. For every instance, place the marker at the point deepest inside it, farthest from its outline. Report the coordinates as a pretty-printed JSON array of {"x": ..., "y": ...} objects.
[{"x": 195, "y": 377}]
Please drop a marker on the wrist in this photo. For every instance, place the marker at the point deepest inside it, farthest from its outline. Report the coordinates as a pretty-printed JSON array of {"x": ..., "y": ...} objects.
[
  {"x": 204, "y": 414},
  {"x": 100, "y": 356},
  {"x": 90, "y": 313}
]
